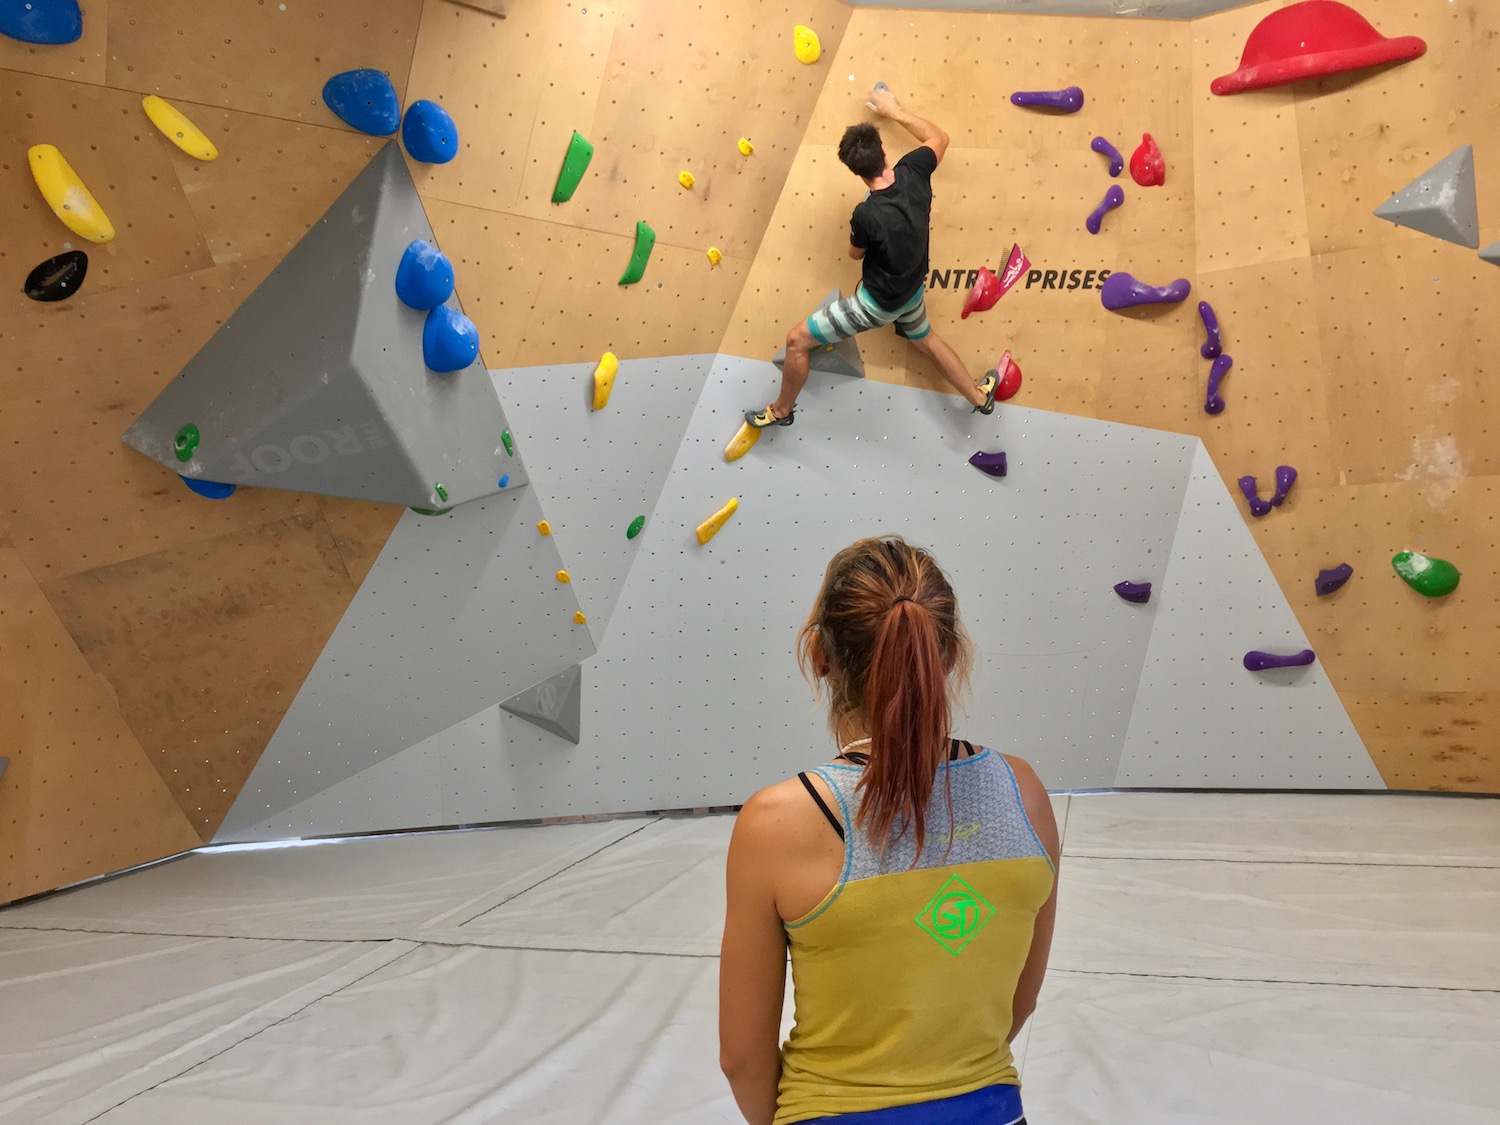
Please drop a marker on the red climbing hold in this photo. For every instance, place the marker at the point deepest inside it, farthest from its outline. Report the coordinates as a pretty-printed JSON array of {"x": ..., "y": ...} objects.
[
  {"x": 1010, "y": 378},
  {"x": 1312, "y": 39},
  {"x": 1147, "y": 165},
  {"x": 983, "y": 295}
]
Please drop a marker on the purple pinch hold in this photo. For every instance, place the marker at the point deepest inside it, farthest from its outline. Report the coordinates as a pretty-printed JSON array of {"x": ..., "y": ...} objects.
[
  {"x": 1104, "y": 148},
  {"x": 1122, "y": 291},
  {"x": 1213, "y": 346},
  {"x": 1113, "y": 198},
  {"x": 1215, "y": 404},
  {"x": 1258, "y": 507},
  {"x": 1069, "y": 100},
  {"x": 1138, "y": 592},
  {"x": 1286, "y": 476},
  {"x": 992, "y": 463},
  {"x": 1258, "y": 661},
  {"x": 1333, "y": 579}
]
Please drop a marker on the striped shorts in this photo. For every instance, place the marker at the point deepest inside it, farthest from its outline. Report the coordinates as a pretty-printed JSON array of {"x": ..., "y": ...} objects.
[{"x": 859, "y": 313}]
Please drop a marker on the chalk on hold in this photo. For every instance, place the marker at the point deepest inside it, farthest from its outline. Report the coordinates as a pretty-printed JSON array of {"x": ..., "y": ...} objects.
[
  {"x": 1010, "y": 378},
  {"x": 1286, "y": 476},
  {"x": 991, "y": 463},
  {"x": 1257, "y": 661},
  {"x": 604, "y": 379},
  {"x": 1137, "y": 592},
  {"x": 364, "y": 99},
  {"x": 424, "y": 279},
  {"x": 1312, "y": 39},
  {"x": 185, "y": 442},
  {"x": 47, "y": 23},
  {"x": 1114, "y": 197},
  {"x": 1214, "y": 404},
  {"x": 575, "y": 163},
  {"x": 805, "y": 45},
  {"x": 1428, "y": 576},
  {"x": 564, "y": 577},
  {"x": 710, "y": 527},
  {"x": 1122, "y": 291},
  {"x": 635, "y": 527},
  {"x": 579, "y": 618},
  {"x": 745, "y": 147},
  {"x": 1439, "y": 202},
  {"x": 1258, "y": 507},
  {"x": 1069, "y": 100},
  {"x": 1104, "y": 148},
  {"x": 1332, "y": 579},
  {"x": 428, "y": 133},
  {"x": 983, "y": 294},
  {"x": 1147, "y": 165},
  {"x": 645, "y": 240},
  {"x": 209, "y": 489},
  {"x": 742, "y": 442},
  {"x": 1213, "y": 346},
  {"x": 66, "y": 194},
  {"x": 177, "y": 128},
  {"x": 450, "y": 342},
  {"x": 509, "y": 443},
  {"x": 686, "y": 180},
  {"x": 58, "y": 278},
  {"x": 543, "y": 527},
  {"x": 715, "y": 255}
]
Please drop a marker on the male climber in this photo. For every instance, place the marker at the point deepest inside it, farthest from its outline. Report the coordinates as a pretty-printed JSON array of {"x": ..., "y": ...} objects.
[{"x": 888, "y": 234}]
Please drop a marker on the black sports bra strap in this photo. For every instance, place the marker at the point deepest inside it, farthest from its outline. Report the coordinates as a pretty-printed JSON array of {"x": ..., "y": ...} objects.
[{"x": 822, "y": 804}]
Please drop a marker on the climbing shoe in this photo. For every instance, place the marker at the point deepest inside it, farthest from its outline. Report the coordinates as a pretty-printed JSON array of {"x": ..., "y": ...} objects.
[
  {"x": 988, "y": 384},
  {"x": 760, "y": 419}
]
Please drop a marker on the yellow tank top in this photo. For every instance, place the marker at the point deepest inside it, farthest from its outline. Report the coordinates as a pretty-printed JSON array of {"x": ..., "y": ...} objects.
[{"x": 904, "y": 979}]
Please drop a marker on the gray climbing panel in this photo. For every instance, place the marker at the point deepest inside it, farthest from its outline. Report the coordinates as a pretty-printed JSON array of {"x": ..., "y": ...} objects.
[
  {"x": 1440, "y": 202},
  {"x": 836, "y": 359},
  {"x": 4, "y": 765},
  {"x": 1491, "y": 253},
  {"x": 317, "y": 382},
  {"x": 555, "y": 704}
]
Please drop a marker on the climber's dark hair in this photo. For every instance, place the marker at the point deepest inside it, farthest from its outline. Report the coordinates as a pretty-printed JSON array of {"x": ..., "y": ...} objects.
[{"x": 861, "y": 151}]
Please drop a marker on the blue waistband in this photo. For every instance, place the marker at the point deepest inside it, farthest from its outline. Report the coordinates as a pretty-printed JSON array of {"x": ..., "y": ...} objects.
[{"x": 990, "y": 1105}]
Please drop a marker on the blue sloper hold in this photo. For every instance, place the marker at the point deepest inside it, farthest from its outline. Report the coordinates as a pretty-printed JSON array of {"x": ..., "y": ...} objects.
[
  {"x": 450, "y": 342},
  {"x": 424, "y": 279},
  {"x": 49, "y": 22},
  {"x": 211, "y": 489},
  {"x": 429, "y": 133},
  {"x": 364, "y": 99}
]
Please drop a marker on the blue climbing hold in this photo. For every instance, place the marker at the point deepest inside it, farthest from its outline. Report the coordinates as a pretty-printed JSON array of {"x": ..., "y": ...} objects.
[
  {"x": 424, "y": 279},
  {"x": 211, "y": 489},
  {"x": 429, "y": 133},
  {"x": 364, "y": 99},
  {"x": 50, "y": 22},
  {"x": 450, "y": 342},
  {"x": 504, "y": 480}
]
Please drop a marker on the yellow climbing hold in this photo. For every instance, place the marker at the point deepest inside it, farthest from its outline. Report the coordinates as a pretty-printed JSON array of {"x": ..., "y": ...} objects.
[
  {"x": 66, "y": 195},
  {"x": 176, "y": 127},
  {"x": 604, "y": 379},
  {"x": 746, "y": 148},
  {"x": 543, "y": 527},
  {"x": 562, "y": 576},
  {"x": 686, "y": 179},
  {"x": 742, "y": 442},
  {"x": 710, "y": 527},
  {"x": 715, "y": 256},
  {"x": 579, "y": 618},
  {"x": 805, "y": 43}
]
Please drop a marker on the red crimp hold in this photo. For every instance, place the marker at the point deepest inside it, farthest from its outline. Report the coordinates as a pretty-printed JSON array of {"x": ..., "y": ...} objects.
[{"x": 1147, "y": 165}]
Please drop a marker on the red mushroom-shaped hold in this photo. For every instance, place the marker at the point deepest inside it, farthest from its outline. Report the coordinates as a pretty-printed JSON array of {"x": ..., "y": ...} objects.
[
  {"x": 1147, "y": 165},
  {"x": 983, "y": 295}
]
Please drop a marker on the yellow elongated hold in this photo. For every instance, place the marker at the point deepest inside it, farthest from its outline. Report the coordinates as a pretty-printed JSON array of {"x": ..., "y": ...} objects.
[
  {"x": 805, "y": 44},
  {"x": 562, "y": 576},
  {"x": 64, "y": 192},
  {"x": 746, "y": 148},
  {"x": 686, "y": 179},
  {"x": 579, "y": 618},
  {"x": 742, "y": 442},
  {"x": 543, "y": 527},
  {"x": 710, "y": 527},
  {"x": 715, "y": 255},
  {"x": 604, "y": 379},
  {"x": 176, "y": 127}
]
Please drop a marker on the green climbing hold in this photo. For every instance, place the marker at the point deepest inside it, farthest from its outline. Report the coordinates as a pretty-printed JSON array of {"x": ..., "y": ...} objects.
[
  {"x": 635, "y": 527},
  {"x": 442, "y": 493},
  {"x": 510, "y": 445},
  {"x": 186, "y": 442},
  {"x": 645, "y": 241},
  {"x": 432, "y": 511},
  {"x": 1432, "y": 577},
  {"x": 575, "y": 164}
]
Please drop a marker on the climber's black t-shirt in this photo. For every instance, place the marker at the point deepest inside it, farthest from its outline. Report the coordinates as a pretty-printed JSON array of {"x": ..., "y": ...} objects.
[{"x": 891, "y": 227}]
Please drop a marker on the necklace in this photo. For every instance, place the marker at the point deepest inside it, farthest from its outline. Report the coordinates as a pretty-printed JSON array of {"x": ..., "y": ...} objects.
[{"x": 844, "y": 749}]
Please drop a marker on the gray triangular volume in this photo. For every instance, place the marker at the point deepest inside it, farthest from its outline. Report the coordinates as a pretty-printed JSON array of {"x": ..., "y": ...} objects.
[
  {"x": 837, "y": 359},
  {"x": 1491, "y": 253},
  {"x": 554, "y": 704},
  {"x": 1440, "y": 202},
  {"x": 317, "y": 382}
]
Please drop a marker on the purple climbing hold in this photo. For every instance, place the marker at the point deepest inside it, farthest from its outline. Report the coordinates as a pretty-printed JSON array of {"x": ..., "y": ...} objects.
[
  {"x": 1258, "y": 661},
  {"x": 1104, "y": 148},
  {"x": 1138, "y": 592},
  {"x": 1286, "y": 476},
  {"x": 1069, "y": 100},
  {"x": 1333, "y": 579},
  {"x": 1212, "y": 347},
  {"x": 424, "y": 279},
  {"x": 992, "y": 463},
  {"x": 1215, "y": 404},
  {"x": 1122, "y": 291},
  {"x": 1113, "y": 198},
  {"x": 1258, "y": 507}
]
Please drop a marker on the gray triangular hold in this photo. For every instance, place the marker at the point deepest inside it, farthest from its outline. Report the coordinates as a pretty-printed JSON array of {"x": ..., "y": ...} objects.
[
  {"x": 1440, "y": 202},
  {"x": 1491, "y": 253},
  {"x": 554, "y": 704},
  {"x": 836, "y": 359},
  {"x": 317, "y": 382}
]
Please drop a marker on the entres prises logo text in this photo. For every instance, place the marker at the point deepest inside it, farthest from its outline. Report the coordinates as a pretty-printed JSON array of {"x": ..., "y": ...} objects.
[{"x": 1035, "y": 278}]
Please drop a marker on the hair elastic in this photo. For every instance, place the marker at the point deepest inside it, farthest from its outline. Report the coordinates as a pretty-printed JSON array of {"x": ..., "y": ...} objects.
[{"x": 902, "y": 598}]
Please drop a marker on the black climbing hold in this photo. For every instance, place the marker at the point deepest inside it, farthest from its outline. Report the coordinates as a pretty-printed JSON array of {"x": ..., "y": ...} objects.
[{"x": 57, "y": 278}]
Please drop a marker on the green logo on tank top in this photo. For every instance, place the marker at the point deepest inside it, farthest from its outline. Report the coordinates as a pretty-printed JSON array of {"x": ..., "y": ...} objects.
[{"x": 955, "y": 914}]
